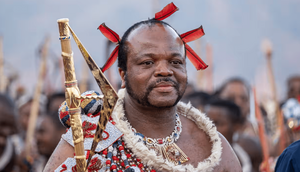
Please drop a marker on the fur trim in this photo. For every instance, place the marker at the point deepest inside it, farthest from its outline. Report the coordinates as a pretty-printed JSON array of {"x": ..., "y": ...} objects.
[{"x": 150, "y": 158}]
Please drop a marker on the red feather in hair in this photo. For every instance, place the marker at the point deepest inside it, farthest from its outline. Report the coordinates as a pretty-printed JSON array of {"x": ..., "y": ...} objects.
[
  {"x": 166, "y": 12},
  {"x": 109, "y": 34},
  {"x": 111, "y": 60},
  {"x": 194, "y": 58},
  {"x": 192, "y": 35}
]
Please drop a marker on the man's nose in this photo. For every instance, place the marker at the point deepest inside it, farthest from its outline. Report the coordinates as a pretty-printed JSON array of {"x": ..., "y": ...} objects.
[{"x": 163, "y": 69}]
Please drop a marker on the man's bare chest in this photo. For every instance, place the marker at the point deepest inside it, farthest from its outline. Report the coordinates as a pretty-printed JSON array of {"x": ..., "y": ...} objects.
[{"x": 196, "y": 146}]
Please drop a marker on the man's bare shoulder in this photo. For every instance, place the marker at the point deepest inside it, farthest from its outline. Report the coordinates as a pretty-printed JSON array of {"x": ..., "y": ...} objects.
[
  {"x": 198, "y": 146},
  {"x": 62, "y": 151},
  {"x": 229, "y": 161}
]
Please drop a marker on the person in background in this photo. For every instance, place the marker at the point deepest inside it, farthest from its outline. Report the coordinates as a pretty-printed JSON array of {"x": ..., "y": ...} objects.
[
  {"x": 226, "y": 116},
  {"x": 293, "y": 85},
  {"x": 289, "y": 160},
  {"x": 7, "y": 129},
  {"x": 198, "y": 99},
  {"x": 54, "y": 101},
  {"x": 48, "y": 134},
  {"x": 190, "y": 89},
  {"x": 238, "y": 91},
  {"x": 27, "y": 162},
  {"x": 24, "y": 104}
]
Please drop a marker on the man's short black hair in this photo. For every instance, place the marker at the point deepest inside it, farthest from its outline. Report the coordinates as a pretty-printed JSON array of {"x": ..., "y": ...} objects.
[
  {"x": 54, "y": 96},
  {"x": 123, "y": 48},
  {"x": 55, "y": 119},
  {"x": 198, "y": 98},
  {"x": 232, "y": 80},
  {"x": 233, "y": 110}
]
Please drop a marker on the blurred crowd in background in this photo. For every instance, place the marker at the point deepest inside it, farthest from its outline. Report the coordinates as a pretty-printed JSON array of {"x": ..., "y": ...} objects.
[
  {"x": 258, "y": 126},
  {"x": 256, "y": 131}
]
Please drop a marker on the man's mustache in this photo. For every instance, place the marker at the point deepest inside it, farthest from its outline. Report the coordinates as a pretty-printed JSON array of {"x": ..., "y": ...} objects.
[{"x": 166, "y": 79}]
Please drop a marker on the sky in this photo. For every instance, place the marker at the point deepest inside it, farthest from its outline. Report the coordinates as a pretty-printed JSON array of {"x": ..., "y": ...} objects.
[{"x": 234, "y": 29}]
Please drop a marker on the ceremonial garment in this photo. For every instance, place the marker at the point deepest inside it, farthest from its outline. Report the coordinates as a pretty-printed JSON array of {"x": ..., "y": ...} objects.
[{"x": 122, "y": 150}]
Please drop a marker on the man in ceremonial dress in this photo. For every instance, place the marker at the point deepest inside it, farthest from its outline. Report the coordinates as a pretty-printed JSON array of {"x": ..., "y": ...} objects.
[{"x": 149, "y": 130}]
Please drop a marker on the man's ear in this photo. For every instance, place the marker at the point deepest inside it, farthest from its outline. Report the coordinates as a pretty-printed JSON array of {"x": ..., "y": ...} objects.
[{"x": 122, "y": 74}]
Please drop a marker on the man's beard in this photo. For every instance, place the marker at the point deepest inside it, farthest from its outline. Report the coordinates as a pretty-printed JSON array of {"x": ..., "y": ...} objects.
[{"x": 144, "y": 100}]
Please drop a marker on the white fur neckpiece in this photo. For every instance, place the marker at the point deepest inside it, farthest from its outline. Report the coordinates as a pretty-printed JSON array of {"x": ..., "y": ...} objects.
[{"x": 150, "y": 158}]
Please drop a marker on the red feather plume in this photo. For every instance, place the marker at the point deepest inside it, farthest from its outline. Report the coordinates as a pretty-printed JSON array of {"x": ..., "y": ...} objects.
[
  {"x": 192, "y": 35},
  {"x": 166, "y": 12},
  {"x": 109, "y": 34},
  {"x": 111, "y": 60},
  {"x": 194, "y": 58}
]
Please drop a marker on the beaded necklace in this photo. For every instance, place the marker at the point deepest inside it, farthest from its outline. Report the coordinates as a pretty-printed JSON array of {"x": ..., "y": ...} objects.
[
  {"x": 166, "y": 146},
  {"x": 119, "y": 158}
]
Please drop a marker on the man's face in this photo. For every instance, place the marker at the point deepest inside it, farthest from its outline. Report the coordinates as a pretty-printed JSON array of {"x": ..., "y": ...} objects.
[
  {"x": 294, "y": 89},
  {"x": 221, "y": 119},
  {"x": 24, "y": 113},
  {"x": 7, "y": 124},
  {"x": 47, "y": 136},
  {"x": 54, "y": 106},
  {"x": 156, "y": 68},
  {"x": 237, "y": 93}
]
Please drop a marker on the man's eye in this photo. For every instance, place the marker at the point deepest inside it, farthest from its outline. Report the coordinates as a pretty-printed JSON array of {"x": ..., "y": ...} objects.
[
  {"x": 244, "y": 99},
  {"x": 176, "y": 62},
  {"x": 147, "y": 63}
]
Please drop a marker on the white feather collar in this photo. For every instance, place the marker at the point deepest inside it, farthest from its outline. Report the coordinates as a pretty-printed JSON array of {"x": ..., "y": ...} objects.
[{"x": 158, "y": 162}]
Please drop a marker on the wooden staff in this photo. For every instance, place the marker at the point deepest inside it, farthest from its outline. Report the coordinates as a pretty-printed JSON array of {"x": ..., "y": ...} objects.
[
  {"x": 209, "y": 74},
  {"x": 110, "y": 95},
  {"x": 200, "y": 74},
  {"x": 61, "y": 70},
  {"x": 267, "y": 49},
  {"x": 73, "y": 97},
  {"x": 110, "y": 73},
  {"x": 49, "y": 88},
  {"x": 2, "y": 76},
  {"x": 35, "y": 102},
  {"x": 83, "y": 85},
  {"x": 261, "y": 131},
  {"x": 72, "y": 93}
]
